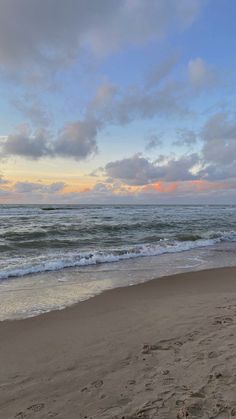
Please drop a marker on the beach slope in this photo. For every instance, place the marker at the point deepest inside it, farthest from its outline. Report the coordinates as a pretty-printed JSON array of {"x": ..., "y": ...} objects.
[{"x": 163, "y": 349}]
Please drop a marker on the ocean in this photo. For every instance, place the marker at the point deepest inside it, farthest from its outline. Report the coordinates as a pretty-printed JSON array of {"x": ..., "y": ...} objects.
[{"x": 56, "y": 255}]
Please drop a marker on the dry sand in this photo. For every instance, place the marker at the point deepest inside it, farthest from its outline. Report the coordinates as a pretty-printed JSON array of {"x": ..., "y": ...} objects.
[{"x": 163, "y": 349}]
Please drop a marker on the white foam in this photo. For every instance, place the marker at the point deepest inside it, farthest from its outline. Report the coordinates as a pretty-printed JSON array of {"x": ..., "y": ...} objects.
[{"x": 75, "y": 259}]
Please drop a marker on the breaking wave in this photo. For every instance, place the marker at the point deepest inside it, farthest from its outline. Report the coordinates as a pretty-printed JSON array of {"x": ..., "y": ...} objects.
[{"x": 62, "y": 260}]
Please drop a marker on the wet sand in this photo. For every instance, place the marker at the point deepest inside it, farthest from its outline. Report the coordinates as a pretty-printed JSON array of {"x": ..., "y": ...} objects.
[{"x": 163, "y": 349}]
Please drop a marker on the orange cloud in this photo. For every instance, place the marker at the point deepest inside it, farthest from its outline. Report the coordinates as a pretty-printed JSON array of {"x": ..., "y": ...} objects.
[
  {"x": 161, "y": 187},
  {"x": 85, "y": 190}
]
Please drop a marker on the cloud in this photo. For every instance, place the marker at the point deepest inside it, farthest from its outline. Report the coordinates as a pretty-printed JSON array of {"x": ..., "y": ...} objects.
[
  {"x": 34, "y": 111},
  {"x": 37, "y": 187},
  {"x": 132, "y": 171},
  {"x": 219, "y": 147},
  {"x": 53, "y": 33},
  {"x": 138, "y": 170},
  {"x": 139, "y": 102},
  {"x": 114, "y": 106},
  {"x": 219, "y": 136},
  {"x": 187, "y": 137},
  {"x": 161, "y": 187},
  {"x": 75, "y": 140},
  {"x": 3, "y": 181},
  {"x": 32, "y": 192},
  {"x": 22, "y": 143},
  {"x": 180, "y": 169},
  {"x": 192, "y": 191},
  {"x": 153, "y": 141},
  {"x": 103, "y": 97},
  {"x": 78, "y": 139},
  {"x": 157, "y": 95},
  {"x": 162, "y": 70},
  {"x": 200, "y": 74}
]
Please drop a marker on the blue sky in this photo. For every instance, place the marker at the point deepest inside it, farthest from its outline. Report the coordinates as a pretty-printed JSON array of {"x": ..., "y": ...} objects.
[{"x": 118, "y": 101}]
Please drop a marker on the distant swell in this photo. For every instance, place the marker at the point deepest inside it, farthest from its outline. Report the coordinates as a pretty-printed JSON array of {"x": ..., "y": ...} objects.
[
  {"x": 76, "y": 259},
  {"x": 57, "y": 208}
]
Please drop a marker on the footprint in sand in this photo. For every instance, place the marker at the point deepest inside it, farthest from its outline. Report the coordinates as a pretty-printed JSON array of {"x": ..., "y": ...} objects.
[
  {"x": 131, "y": 382},
  {"x": 192, "y": 335},
  {"x": 33, "y": 408},
  {"x": 168, "y": 381},
  {"x": 179, "y": 402},
  {"x": 193, "y": 410},
  {"x": 36, "y": 407},
  {"x": 97, "y": 384},
  {"x": 163, "y": 345},
  {"x": 198, "y": 394},
  {"x": 200, "y": 356},
  {"x": 148, "y": 387},
  {"x": 91, "y": 386},
  {"x": 213, "y": 354},
  {"x": 223, "y": 321},
  {"x": 196, "y": 409},
  {"x": 20, "y": 415},
  {"x": 165, "y": 372},
  {"x": 71, "y": 367},
  {"x": 149, "y": 408},
  {"x": 148, "y": 349},
  {"x": 183, "y": 413}
]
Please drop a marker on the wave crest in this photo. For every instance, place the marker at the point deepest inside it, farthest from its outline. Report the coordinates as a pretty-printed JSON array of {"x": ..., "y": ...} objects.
[{"x": 77, "y": 259}]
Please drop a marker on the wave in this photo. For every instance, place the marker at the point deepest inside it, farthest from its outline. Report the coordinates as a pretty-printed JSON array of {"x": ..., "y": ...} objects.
[
  {"x": 73, "y": 228},
  {"x": 79, "y": 259}
]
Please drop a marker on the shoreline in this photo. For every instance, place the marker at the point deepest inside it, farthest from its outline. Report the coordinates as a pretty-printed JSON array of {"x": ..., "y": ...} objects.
[
  {"x": 34, "y": 294},
  {"x": 132, "y": 351}
]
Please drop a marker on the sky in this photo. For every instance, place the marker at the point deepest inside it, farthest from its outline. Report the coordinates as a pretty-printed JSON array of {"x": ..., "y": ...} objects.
[{"x": 118, "y": 101}]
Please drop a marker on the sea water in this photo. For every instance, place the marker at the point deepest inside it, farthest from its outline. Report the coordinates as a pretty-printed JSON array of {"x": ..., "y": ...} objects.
[{"x": 54, "y": 256}]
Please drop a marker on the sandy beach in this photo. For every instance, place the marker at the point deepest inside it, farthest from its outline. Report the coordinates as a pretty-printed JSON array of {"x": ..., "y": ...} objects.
[{"x": 163, "y": 349}]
